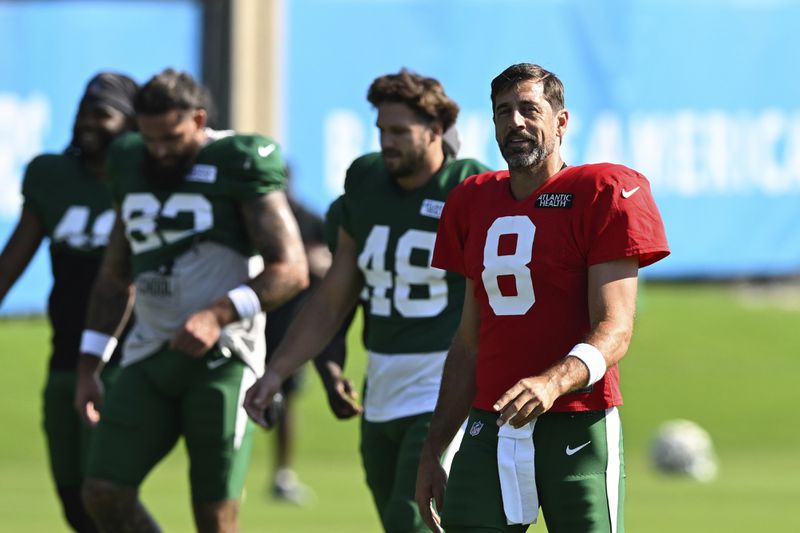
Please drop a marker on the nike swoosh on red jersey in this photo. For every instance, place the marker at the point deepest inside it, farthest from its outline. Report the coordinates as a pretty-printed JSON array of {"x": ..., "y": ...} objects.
[{"x": 628, "y": 194}]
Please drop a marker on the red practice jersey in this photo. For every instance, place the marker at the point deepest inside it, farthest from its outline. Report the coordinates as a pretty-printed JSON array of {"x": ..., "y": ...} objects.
[{"x": 529, "y": 262}]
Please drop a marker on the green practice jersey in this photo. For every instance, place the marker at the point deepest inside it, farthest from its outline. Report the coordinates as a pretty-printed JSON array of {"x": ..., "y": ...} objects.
[
  {"x": 162, "y": 224},
  {"x": 333, "y": 221},
  {"x": 75, "y": 211},
  {"x": 411, "y": 307},
  {"x": 411, "y": 310},
  {"x": 188, "y": 244}
]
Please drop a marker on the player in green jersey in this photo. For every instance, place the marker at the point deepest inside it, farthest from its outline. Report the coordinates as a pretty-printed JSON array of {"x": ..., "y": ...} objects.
[
  {"x": 206, "y": 237},
  {"x": 67, "y": 200},
  {"x": 390, "y": 215}
]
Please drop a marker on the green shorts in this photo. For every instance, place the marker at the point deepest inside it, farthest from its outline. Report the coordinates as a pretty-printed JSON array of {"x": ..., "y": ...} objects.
[
  {"x": 67, "y": 436},
  {"x": 168, "y": 395},
  {"x": 390, "y": 453},
  {"x": 579, "y": 475}
]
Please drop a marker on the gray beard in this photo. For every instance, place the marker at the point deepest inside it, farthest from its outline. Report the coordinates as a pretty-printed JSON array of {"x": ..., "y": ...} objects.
[
  {"x": 535, "y": 157},
  {"x": 531, "y": 159}
]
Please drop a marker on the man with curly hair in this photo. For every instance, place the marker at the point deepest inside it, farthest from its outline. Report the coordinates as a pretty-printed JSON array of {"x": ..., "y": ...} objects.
[{"x": 389, "y": 217}]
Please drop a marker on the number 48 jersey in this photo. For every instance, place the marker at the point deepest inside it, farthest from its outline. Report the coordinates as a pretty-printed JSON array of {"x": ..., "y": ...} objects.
[
  {"x": 411, "y": 309},
  {"x": 529, "y": 261}
]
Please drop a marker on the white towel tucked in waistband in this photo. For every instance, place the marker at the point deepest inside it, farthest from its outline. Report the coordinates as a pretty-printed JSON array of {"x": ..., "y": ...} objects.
[{"x": 515, "y": 462}]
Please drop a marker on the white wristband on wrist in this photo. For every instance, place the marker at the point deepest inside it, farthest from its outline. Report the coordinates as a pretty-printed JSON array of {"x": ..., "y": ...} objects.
[
  {"x": 98, "y": 344},
  {"x": 593, "y": 360},
  {"x": 245, "y": 301}
]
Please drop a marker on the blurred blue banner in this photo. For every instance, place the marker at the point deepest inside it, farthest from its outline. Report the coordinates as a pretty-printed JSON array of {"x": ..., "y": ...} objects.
[
  {"x": 50, "y": 50},
  {"x": 701, "y": 97}
]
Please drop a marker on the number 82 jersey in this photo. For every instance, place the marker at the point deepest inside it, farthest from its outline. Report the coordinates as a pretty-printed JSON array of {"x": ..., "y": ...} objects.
[
  {"x": 161, "y": 224},
  {"x": 188, "y": 243},
  {"x": 529, "y": 260}
]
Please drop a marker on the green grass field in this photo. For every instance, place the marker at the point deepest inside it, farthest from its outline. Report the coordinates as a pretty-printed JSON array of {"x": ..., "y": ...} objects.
[{"x": 700, "y": 352}]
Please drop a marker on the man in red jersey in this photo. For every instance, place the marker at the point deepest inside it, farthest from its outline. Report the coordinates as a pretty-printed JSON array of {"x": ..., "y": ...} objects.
[{"x": 551, "y": 255}]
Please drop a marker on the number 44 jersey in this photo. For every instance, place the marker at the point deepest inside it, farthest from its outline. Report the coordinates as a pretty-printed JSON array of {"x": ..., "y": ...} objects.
[
  {"x": 75, "y": 211},
  {"x": 188, "y": 243},
  {"x": 411, "y": 309},
  {"x": 529, "y": 260}
]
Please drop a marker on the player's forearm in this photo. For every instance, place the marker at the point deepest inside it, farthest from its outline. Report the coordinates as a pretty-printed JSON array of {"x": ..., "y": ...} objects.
[
  {"x": 456, "y": 394},
  {"x": 110, "y": 306},
  {"x": 19, "y": 251},
  {"x": 273, "y": 231},
  {"x": 8, "y": 276},
  {"x": 314, "y": 326},
  {"x": 279, "y": 283},
  {"x": 605, "y": 345},
  {"x": 333, "y": 356},
  {"x": 273, "y": 287},
  {"x": 11, "y": 267},
  {"x": 612, "y": 306},
  {"x": 111, "y": 299},
  {"x": 612, "y": 338},
  {"x": 319, "y": 259}
]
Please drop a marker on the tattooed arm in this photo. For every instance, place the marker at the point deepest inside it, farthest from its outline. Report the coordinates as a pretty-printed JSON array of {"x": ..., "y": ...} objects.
[{"x": 273, "y": 230}]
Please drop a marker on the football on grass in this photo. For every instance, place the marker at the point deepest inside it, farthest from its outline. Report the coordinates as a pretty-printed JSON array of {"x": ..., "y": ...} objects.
[{"x": 682, "y": 447}]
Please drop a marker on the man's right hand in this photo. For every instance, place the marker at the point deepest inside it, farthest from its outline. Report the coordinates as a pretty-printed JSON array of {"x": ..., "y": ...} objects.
[
  {"x": 89, "y": 395},
  {"x": 342, "y": 395},
  {"x": 431, "y": 482}
]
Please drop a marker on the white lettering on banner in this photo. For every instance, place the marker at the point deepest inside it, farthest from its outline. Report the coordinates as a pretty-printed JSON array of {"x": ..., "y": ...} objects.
[
  {"x": 685, "y": 153},
  {"x": 691, "y": 153},
  {"x": 23, "y": 125}
]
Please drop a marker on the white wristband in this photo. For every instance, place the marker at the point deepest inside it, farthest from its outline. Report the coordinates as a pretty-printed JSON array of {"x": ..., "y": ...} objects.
[
  {"x": 593, "y": 360},
  {"x": 98, "y": 344},
  {"x": 245, "y": 301}
]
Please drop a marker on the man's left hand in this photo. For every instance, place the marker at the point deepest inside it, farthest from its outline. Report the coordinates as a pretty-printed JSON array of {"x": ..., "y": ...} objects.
[{"x": 527, "y": 399}]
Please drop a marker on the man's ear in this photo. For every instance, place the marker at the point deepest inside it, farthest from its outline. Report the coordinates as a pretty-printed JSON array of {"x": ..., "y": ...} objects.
[
  {"x": 200, "y": 117},
  {"x": 436, "y": 130},
  {"x": 562, "y": 119}
]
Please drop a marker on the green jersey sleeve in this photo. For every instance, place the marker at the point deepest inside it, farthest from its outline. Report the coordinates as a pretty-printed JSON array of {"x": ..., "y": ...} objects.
[
  {"x": 249, "y": 165},
  {"x": 362, "y": 171},
  {"x": 333, "y": 221},
  {"x": 33, "y": 187},
  {"x": 119, "y": 161}
]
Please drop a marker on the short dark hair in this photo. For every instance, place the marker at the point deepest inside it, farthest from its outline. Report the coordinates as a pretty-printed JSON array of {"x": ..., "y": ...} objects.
[
  {"x": 424, "y": 95},
  {"x": 171, "y": 90},
  {"x": 553, "y": 88}
]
